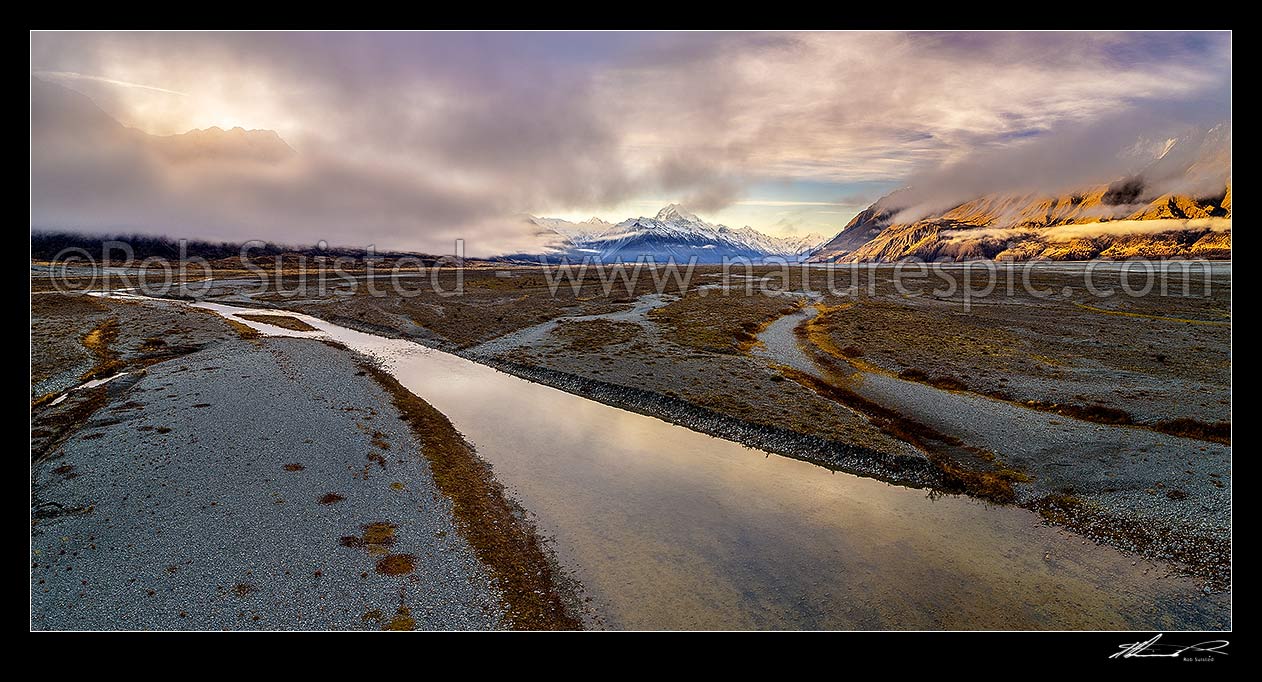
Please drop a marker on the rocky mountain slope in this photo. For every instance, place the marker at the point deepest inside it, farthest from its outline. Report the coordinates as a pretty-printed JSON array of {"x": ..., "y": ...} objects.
[{"x": 1177, "y": 206}]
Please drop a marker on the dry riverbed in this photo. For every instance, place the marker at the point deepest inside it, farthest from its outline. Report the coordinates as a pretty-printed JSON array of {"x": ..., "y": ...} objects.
[{"x": 250, "y": 483}]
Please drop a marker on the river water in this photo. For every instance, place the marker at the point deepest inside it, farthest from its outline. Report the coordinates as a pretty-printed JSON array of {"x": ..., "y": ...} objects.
[{"x": 667, "y": 528}]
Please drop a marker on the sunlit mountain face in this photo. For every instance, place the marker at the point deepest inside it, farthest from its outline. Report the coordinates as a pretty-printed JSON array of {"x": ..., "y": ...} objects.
[{"x": 1176, "y": 204}]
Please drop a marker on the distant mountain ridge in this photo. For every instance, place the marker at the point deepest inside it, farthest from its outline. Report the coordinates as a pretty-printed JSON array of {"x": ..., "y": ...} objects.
[
  {"x": 236, "y": 143},
  {"x": 675, "y": 232},
  {"x": 60, "y": 115},
  {"x": 1177, "y": 206}
]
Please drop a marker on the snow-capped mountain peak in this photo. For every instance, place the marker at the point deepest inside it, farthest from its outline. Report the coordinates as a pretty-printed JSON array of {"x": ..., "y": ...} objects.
[
  {"x": 674, "y": 233},
  {"x": 674, "y": 212}
]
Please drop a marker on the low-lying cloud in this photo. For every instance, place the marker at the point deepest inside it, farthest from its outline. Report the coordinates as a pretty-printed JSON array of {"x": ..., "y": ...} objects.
[
  {"x": 1128, "y": 227},
  {"x": 1064, "y": 233},
  {"x": 1083, "y": 156}
]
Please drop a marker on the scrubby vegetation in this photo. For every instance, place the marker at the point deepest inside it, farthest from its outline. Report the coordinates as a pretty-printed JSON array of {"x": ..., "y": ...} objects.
[
  {"x": 1219, "y": 432},
  {"x": 597, "y": 334},
  {"x": 283, "y": 321},
  {"x": 719, "y": 324}
]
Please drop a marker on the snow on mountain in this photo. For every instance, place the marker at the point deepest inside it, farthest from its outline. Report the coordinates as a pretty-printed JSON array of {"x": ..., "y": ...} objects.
[
  {"x": 675, "y": 232},
  {"x": 1182, "y": 185},
  {"x": 675, "y": 212}
]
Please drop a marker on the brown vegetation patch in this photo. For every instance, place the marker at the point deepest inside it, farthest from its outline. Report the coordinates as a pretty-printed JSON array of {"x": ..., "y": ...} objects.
[
  {"x": 396, "y": 564},
  {"x": 596, "y": 334},
  {"x": 946, "y": 383},
  {"x": 282, "y": 321},
  {"x": 1162, "y": 318},
  {"x": 244, "y": 331},
  {"x": 379, "y": 533},
  {"x": 818, "y": 333},
  {"x": 375, "y": 538},
  {"x": 1095, "y": 412},
  {"x": 331, "y": 498},
  {"x": 490, "y": 307},
  {"x": 44, "y": 400},
  {"x": 496, "y": 528},
  {"x": 294, "y": 467},
  {"x": 1219, "y": 432},
  {"x": 717, "y": 323},
  {"x": 65, "y": 305},
  {"x": 402, "y": 620},
  {"x": 100, "y": 342}
]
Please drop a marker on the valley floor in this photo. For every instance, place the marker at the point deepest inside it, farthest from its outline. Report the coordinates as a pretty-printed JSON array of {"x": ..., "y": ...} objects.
[{"x": 1109, "y": 416}]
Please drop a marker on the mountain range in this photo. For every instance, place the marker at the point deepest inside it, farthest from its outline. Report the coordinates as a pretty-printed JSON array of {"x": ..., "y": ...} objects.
[
  {"x": 1178, "y": 205},
  {"x": 674, "y": 233}
]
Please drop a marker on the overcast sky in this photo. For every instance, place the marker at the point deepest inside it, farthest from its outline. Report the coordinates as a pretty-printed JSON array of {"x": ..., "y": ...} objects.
[{"x": 455, "y": 134}]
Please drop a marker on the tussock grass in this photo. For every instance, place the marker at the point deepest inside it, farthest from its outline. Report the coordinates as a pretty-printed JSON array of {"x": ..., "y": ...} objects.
[
  {"x": 1095, "y": 412},
  {"x": 597, "y": 334},
  {"x": 946, "y": 383},
  {"x": 100, "y": 342},
  {"x": 720, "y": 324},
  {"x": 244, "y": 331},
  {"x": 1162, "y": 318},
  {"x": 282, "y": 321},
  {"x": 1218, "y": 432}
]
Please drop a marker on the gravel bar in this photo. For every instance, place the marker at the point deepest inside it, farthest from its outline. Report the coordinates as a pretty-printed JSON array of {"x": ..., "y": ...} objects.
[{"x": 262, "y": 484}]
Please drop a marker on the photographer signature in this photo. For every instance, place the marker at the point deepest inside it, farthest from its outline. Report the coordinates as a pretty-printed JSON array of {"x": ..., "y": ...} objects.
[{"x": 1152, "y": 649}]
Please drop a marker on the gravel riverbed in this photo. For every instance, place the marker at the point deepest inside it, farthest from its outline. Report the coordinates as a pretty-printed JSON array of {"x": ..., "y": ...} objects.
[{"x": 255, "y": 484}]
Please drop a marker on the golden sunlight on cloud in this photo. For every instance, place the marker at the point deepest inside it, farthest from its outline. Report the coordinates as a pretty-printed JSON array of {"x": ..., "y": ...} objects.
[{"x": 159, "y": 102}]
